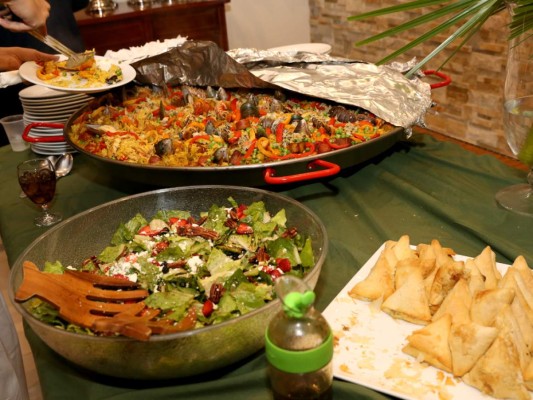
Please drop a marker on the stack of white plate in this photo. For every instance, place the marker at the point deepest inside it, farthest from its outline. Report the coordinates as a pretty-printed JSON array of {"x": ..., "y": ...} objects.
[{"x": 42, "y": 104}]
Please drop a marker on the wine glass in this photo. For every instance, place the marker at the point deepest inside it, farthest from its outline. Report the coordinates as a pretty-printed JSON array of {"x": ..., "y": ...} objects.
[
  {"x": 37, "y": 178},
  {"x": 518, "y": 121}
]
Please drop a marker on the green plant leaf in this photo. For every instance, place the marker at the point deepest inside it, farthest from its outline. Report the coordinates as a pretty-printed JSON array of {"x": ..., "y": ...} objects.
[{"x": 468, "y": 15}]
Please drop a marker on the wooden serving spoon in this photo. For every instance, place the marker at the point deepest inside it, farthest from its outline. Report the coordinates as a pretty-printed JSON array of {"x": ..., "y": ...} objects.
[{"x": 104, "y": 304}]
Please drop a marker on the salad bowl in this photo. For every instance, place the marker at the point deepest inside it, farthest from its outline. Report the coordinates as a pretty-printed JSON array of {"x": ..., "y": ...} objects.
[{"x": 162, "y": 356}]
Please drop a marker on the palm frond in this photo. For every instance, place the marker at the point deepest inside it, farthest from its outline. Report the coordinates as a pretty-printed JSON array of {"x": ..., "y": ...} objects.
[
  {"x": 522, "y": 18},
  {"x": 468, "y": 15}
]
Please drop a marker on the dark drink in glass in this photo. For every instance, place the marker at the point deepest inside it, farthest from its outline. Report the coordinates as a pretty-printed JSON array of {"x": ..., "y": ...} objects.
[{"x": 37, "y": 178}]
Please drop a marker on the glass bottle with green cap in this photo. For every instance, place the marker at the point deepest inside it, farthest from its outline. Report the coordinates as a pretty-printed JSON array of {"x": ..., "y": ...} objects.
[{"x": 299, "y": 345}]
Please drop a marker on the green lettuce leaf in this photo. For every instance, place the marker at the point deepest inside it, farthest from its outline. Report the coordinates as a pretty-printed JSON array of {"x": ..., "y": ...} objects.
[
  {"x": 177, "y": 302},
  {"x": 284, "y": 248},
  {"x": 127, "y": 231},
  {"x": 53, "y": 267},
  {"x": 111, "y": 253},
  {"x": 306, "y": 255}
]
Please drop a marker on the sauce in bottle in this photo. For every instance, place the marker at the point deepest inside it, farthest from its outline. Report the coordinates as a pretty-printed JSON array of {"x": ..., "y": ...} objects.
[{"x": 299, "y": 345}]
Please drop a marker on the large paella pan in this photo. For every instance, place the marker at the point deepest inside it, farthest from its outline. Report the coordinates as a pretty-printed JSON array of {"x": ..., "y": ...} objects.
[{"x": 190, "y": 135}]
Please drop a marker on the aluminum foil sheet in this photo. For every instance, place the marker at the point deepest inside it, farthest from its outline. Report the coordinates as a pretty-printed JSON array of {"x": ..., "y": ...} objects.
[{"x": 382, "y": 90}]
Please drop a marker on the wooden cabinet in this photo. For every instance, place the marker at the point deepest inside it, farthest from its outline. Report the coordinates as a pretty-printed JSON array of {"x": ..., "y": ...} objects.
[{"x": 130, "y": 26}]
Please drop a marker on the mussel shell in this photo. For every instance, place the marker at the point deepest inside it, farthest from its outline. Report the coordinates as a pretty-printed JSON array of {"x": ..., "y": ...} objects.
[
  {"x": 163, "y": 147},
  {"x": 221, "y": 155},
  {"x": 295, "y": 118},
  {"x": 301, "y": 127},
  {"x": 210, "y": 128},
  {"x": 342, "y": 114},
  {"x": 210, "y": 92},
  {"x": 221, "y": 94},
  {"x": 279, "y": 95},
  {"x": 266, "y": 121},
  {"x": 276, "y": 106},
  {"x": 249, "y": 109}
]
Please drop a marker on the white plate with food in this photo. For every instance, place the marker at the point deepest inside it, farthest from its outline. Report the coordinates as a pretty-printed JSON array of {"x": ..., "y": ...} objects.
[
  {"x": 105, "y": 75},
  {"x": 371, "y": 346}
]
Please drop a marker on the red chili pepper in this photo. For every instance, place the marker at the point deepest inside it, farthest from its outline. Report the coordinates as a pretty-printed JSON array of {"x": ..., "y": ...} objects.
[
  {"x": 236, "y": 136},
  {"x": 167, "y": 107},
  {"x": 196, "y": 138},
  {"x": 284, "y": 264},
  {"x": 337, "y": 146},
  {"x": 279, "y": 132},
  {"x": 233, "y": 104},
  {"x": 333, "y": 122},
  {"x": 361, "y": 138},
  {"x": 244, "y": 229},
  {"x": 140, "y": 99},
  {"x": 208, "y": 308},
  {"x": 250, "y": 150}
]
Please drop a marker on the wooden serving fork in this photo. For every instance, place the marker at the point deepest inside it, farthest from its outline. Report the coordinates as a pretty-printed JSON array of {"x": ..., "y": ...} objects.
[
  {"x": 83, "y": 298},
  {"x": 101, "y": 303}
]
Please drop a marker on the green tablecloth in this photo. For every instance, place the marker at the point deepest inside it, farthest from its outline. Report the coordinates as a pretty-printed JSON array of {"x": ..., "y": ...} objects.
[{"x": 425, "y": 188}]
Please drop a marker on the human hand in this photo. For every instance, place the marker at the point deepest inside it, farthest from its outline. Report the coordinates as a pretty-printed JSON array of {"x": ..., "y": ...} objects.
[
  {"x": 11, "y": 58},
  {"x": 32, "y": 14}
]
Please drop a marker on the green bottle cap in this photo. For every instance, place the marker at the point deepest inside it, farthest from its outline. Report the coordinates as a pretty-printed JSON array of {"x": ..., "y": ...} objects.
[
  {"x": 296, "y": 304},
  {"x": 299, "y": 361}
]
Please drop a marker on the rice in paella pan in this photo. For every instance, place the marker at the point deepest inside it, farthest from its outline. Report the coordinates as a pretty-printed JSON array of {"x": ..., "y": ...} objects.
[{"x": 188, "y": 126}]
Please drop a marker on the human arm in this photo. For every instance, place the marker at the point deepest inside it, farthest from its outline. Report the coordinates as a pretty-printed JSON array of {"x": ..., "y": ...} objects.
[
  {"x": 11, "y": 58},
  {"x": 32, "y": 14}
]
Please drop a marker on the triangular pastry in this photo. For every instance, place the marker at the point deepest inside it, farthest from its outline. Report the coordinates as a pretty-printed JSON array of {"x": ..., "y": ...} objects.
[
  {"x": 430, "y": 344},
  {"x": 525, "y": 324},
  {"x": 468, "y": 342},
  {"x": 506, "y": 320},
  {"x": 526, "y": 273},
  {"x": 488, "y": 303},
  {"x": 476, "y": 281},
  {"x": 497, "y": 373},
  {"x": 402, "y": 248},
  {"x": 445, "y": 279},
  {"x": 486, "y": 263},
  {"x": 427, "y": 257},
  {"x": 409, "y": 302},
  {"x": 528, "y": 376},
  {"x": 378, "y": 284},
  {"x": 404, "y": 269},
  {"x": 456, "y": 303}
]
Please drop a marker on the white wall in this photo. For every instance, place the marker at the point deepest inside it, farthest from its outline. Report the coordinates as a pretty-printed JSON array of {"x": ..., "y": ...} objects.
[{"x": 262, "y": 24}]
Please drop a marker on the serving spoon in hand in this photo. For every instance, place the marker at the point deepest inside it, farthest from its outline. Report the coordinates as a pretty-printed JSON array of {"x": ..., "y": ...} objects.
[{"x": 62, "y": 164}]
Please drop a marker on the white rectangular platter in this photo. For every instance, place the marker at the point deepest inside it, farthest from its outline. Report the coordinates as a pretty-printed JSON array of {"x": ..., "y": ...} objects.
[{"x": 368, "y": 349}]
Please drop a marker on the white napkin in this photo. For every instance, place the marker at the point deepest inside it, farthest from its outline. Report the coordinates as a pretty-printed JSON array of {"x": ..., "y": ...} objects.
[
  {"x": 9, "y": 78},
  {"x": 11, "y": 365}
]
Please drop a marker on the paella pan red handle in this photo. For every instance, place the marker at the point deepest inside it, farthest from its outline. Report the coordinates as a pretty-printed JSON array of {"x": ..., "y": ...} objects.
[
  {"x": 43, "y": 139},
  {"x": 446, "y": 80},
  {"x": 328, "y": 170}
]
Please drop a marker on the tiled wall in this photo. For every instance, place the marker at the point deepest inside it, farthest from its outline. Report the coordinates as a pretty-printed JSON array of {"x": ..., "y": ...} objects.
[{"x": 471, "y": 107}]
